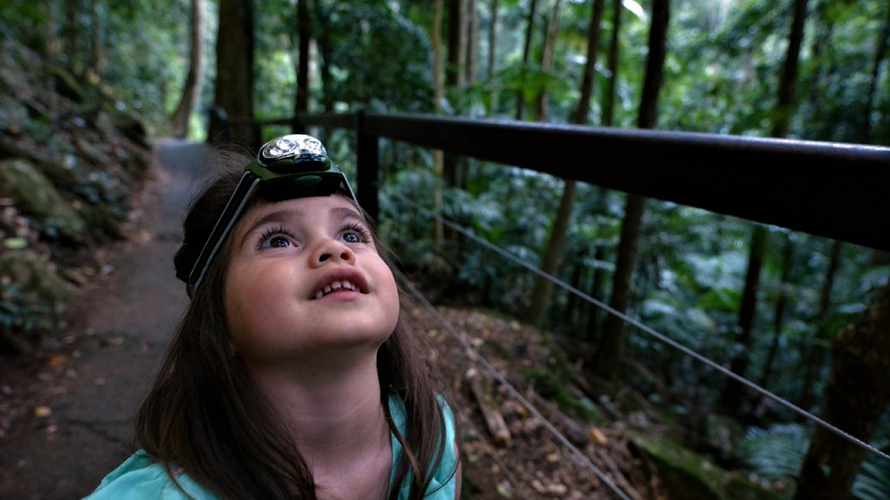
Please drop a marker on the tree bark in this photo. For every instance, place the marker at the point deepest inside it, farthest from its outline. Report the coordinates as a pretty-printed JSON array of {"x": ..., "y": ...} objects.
[
  {"x": 784, "y": 105},
  {"x": 588, "y": 83},
  {"x": 543, "y": 287},
  {"x": 193, "y": 80},
  {"x": 614, "y": 49},
  {"x": 97, "y": 50},
  {"x": 547, "y": 57},
  {"x": 781, "y": 304},
  {"x": 880, "y": 54},
  {"x": 856, "y": 396},
  {"x": 815, "y": 357},
  {"x": 526, "y": 52},
  {"x": 304, "y": 30},
  {"x": 472, "y": 37},
  {"x": 604, "y": 361},
  {"x": 654, "y": 63},
  {"x": 733, "y": 394},
  {"x": 234, "y": 71},
  {"x": 439, "y": 80},
  {"x": 543, "y": 290},
  {"x": 492, "y": 39},
  {"x": 455, "y": 74}
]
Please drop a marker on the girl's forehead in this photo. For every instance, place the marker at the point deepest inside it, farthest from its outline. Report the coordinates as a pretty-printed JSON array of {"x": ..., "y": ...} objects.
[{"x": 313, "y": 207}]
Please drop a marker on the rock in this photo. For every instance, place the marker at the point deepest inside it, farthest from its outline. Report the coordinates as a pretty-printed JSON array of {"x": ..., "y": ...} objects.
[{"x": 36, "y": 195}]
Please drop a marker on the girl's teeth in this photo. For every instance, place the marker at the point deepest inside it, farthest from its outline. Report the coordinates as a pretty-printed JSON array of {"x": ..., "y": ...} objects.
[{"x": 337, "y": 285}]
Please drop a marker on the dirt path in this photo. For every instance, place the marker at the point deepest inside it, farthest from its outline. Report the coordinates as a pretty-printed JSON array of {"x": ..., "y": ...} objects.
[{"x": 71, "y": 413}]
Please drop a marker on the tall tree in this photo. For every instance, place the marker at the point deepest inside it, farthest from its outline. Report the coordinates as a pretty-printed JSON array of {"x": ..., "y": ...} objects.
[
  {"x": 815, "y": 356},
  {"x": 781, "y": 305},
  {"x": 492, "y": 39},
  {"x": 604, "y": 361},
  {"x": 612, "y": 66},
  {"x": 194, "y": 78},
  {"x": 880, "y": 54},
  {"x": 784, "y": 104},
  {"x": 234, "y": 72},
  {"x": 550, "y": 262},
  {"x": 304, "y": 30},
  {"x": 472, "y": 27},
  {"x": 526, "y": 52},
  {"x": 733, "y": 393},
  {"x": 456, "y": 72},
  {"x": 439, "y": 81},
  {"x": 547, "y": 56},
  {"x": 856, "y": 396}
]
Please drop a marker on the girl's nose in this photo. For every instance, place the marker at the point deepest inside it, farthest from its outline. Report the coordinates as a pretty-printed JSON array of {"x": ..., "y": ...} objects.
[{"x": 331, "y": 251}]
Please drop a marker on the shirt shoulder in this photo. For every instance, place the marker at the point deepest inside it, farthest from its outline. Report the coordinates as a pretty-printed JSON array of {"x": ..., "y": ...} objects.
[{"x": 141, "y": 478}]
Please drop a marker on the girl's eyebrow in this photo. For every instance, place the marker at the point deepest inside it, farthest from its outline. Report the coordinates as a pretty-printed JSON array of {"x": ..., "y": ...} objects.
[
  {"x": 278, "y": 216},
  {"x": 347, "y": 213}
]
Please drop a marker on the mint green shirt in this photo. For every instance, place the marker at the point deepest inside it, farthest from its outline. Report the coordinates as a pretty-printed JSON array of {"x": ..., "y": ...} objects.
[{"x": 141, "y": 478}]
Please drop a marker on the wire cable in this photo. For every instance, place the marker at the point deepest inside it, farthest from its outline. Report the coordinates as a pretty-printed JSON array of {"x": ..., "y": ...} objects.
[
  {"x": 676, "y": 345},
  {"x": 473, "y": 353}
]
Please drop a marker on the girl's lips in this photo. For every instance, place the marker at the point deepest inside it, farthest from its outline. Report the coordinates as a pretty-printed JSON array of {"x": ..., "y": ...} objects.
[{"x": 343, "y": 279}]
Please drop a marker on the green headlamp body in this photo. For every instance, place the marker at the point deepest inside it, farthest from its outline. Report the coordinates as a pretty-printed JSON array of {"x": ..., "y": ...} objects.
[{"x": 293, "y": 166}]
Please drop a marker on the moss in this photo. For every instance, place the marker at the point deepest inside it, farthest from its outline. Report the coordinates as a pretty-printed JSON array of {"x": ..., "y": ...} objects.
[
  {"x": 551, "y": 387},
  {"x": 687, "y": 475},
  {"x": 35, "y": 195}
]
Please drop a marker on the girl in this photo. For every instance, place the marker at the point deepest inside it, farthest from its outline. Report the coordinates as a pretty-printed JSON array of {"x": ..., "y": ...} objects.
[{"x": 291, "y": 374}]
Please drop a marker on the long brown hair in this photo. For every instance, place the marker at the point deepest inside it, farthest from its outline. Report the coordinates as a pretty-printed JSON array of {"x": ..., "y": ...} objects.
[{"x": 205, "y": 415}]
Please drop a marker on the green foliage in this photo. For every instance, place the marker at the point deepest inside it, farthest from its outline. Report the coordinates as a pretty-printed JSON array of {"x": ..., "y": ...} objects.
[{"x": 378, "y": 59}]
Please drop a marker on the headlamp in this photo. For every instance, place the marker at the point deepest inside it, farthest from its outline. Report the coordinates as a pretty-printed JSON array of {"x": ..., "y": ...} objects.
[{"x": 293, "y": 166}]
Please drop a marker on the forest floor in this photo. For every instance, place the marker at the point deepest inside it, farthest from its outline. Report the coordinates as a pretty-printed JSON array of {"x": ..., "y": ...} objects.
[{"x": 65, "y": 415}]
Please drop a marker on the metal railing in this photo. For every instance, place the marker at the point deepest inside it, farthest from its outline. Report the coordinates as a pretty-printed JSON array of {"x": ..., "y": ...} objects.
[{"x": 839, "y": 191}]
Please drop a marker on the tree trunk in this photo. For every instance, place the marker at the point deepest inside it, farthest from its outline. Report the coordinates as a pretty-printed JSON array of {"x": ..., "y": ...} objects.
[
  {"x": 588, "y": 83},
  {"x": 526, "y": 51},
  {"x": 547, "y": 57},
  {"x": 492, "y": 39},
  {"x": 193, "y": 80},
  {"x": 654, "y": 63},
  {"x": 455, "y": 74},
  {"x": 304, "y": 30},
  {"x": 856, "y": 396},
  {"x": 880, "y": 54},
  {"x": 543, "y": 290},
  {"x": 733, "y": 394},
  {"x": 614, "y": 49},
  {"x": 605, "y": 359},
  {"x": 234, "y": 71},
  {"x": 73, "y": 36},
  {"x": 608, "y": 353},
  {"x": 439, "y": 80},
  {"x": 97, "y": 50},
  {"x": 472, "y": 36},
  {"x": 323, "y": 40},
  {"x": 781, "y": 304},
  {"x": 815, "y": 357},
  {"x": 784, "y": 105},
  {"x": 540, "y": 300}
]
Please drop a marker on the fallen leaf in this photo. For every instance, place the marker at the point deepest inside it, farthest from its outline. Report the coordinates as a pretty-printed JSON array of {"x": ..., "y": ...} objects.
[{"x": 43, "y": 411}]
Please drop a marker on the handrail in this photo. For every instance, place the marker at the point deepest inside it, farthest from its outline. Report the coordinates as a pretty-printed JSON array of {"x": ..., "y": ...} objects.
[{"x": 839, "y": 191}]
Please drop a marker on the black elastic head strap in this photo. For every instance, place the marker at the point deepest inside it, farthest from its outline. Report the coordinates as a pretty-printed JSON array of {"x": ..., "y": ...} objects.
[{"x": 293, "y": 166}]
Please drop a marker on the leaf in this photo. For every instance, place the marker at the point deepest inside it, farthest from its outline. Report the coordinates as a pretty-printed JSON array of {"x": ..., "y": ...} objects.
[{"x": 15, "y": 243}]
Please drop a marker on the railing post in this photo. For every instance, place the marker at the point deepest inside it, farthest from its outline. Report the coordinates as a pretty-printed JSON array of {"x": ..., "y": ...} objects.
[{"x": 368, "y": 167}]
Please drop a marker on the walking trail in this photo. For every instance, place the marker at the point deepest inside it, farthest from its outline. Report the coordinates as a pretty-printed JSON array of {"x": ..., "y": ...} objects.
[{"x": 74, "y": 410}]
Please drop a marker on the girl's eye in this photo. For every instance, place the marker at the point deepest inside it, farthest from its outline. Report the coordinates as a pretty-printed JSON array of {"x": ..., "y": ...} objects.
[
  {"x": 355, "y": 234},
  {"x": 275, "y": 238},
  {"x": 279, "y": 242}
]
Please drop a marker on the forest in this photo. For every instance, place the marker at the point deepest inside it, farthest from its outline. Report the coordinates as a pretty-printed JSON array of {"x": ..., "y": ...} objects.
[{"x": 804, "y": 317}]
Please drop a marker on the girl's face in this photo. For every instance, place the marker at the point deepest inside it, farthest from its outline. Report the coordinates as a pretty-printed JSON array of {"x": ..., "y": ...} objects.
[{"x": 305, "y": 281}]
